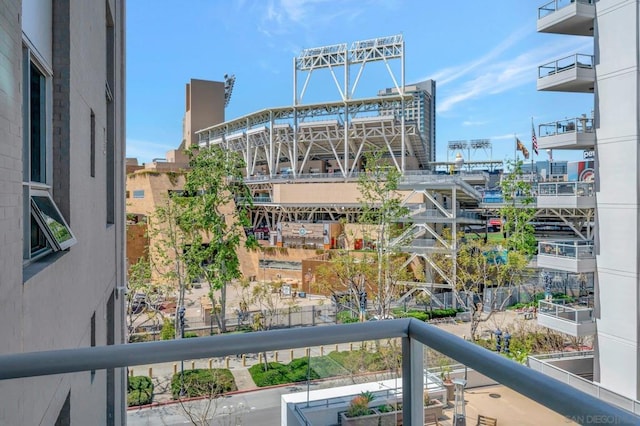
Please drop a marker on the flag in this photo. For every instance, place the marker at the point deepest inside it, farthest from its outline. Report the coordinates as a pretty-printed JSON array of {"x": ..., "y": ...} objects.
[
  {"x": 534, "y": 140},
  {"x": 520, "y": 147}
]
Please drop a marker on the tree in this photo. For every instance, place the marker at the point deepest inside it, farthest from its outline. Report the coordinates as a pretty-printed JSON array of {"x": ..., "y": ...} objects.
[
  {"x": 143, "y": 297},
  {"x": 382, "y": 207},
  {"x": 348, "y": 278},
  {"x": 213, "y": 217},
  {"x": 518, "y": 211},
  {"x": 483, "y": 269}
]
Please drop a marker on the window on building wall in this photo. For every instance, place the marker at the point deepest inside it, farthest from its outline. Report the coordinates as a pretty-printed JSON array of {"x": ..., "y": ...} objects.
[
  {"x": 45, "y": 229},
  {"x": 138, "y": 193}
]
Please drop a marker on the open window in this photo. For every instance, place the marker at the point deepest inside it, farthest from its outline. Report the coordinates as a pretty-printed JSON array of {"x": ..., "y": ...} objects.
[{"x": 51, "y": 224}]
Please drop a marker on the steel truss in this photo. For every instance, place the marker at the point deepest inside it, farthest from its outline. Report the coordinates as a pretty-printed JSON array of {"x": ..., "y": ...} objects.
[
  {"x": 270, "y": 138},
  {"x": 271, "y": 214},
  {"x": 443, "y": 200}
]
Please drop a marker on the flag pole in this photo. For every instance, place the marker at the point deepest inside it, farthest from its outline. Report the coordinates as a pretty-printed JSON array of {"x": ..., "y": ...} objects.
[{"x": 533, "y": 151}]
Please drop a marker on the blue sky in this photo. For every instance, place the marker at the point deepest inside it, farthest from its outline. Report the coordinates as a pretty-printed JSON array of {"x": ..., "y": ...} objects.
[{"x": 483, "y": 56}]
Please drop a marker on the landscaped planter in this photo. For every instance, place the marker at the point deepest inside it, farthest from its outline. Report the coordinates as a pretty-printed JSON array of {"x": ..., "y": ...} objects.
[
  {"x": 434, "y": 407},
  {"x": 395, "y": 417},
  {"x": 390, "y": 418},
  {"x": 369, "y": 420}
]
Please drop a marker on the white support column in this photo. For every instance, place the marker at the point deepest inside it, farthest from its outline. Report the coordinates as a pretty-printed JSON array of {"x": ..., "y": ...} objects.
[
  {"x": 412, "y": 382},
  {"x": 270, "y": 156},
  {"x": 402, "y": 120}
]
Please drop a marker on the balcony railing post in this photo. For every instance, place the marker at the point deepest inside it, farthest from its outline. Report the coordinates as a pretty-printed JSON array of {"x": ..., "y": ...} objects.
[{"x": 412, "y": 382}]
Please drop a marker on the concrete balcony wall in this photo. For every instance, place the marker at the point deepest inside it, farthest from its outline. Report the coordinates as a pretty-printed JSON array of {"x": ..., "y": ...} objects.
[
  {"x": 571, "y": 256},
  {"x": 567, "y": 17},
  {"x": 574, "y": 321},
  {"x": 566, "y": 195},
  {"x": 575, "y": 73},
  {"x": 568, "y": 140},
  {"x": 576, "y": 265}
]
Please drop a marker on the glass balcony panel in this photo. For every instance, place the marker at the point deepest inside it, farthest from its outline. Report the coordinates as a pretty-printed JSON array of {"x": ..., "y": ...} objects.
[
  {"x": 575, "y": 319},
  {"x": 571, "y": 256},
  {"x": 573, "y": 73}
]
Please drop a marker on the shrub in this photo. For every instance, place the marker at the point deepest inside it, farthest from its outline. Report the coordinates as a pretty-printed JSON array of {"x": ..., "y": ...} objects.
[
  {"x": 139, "y": 391},
  {"x": 203, "y": 382},
  {"x": 168, "y": 330},
  {"x": 346, "y": 317},
  {"x": 359, "y": 405},
  {"x": 190, "y": 334},
  {"x": 278, "y": 374}
]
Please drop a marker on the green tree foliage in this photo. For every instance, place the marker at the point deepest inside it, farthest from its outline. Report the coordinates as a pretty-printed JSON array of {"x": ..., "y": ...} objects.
[
  {"x": 139, "y": 390},
  {"x": 382, "y": 207},
  {"x": 215, "y": 220},
  {"x": 203, "y": 227},
  {"x": 518, "y": 211}
]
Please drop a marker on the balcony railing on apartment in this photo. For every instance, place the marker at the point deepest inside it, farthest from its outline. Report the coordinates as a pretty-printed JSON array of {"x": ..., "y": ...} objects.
[
  {"x": 555, "y": 5},
  {"x": 552, "y": 393},
  {"x": 576, "y": 313},
  {"x": 566, "y": 189},
  {"x": 567, "y": 249},
  {"x": 572, "y": 125},
  {"x": 544, "y": 364},
  {"x": 577, "y": 60}
]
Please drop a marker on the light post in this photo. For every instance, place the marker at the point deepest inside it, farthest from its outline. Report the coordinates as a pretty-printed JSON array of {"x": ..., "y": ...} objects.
[{"x": 181, "y": 312}]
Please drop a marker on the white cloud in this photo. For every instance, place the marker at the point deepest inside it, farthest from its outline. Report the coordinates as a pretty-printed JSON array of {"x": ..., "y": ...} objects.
[
  {"x": 145, "y": 151},
  {"x": 508, "y": 73},
  {"x": 468, "y": 123},
  {"x": 450, "y": 74}
]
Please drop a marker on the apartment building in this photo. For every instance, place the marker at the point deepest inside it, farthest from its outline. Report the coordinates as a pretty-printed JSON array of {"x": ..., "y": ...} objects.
[
  {"x": 612, "y": 74},
  {"x": 62, "y": 267},
  {"x": 421, "y": 109}
]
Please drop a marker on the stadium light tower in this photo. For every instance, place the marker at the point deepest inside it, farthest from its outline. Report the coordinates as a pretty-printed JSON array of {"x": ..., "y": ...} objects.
[{"x": 229, "y": 81}]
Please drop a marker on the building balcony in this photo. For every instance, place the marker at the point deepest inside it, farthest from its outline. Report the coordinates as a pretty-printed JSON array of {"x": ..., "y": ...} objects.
[
  {"x": 575, "y": 73},
  {"x": 411, "y": 379},
  {"x": 572, "y": 17},
  {"x": 570, "y": 195},
  {"x": 571, "y": 256},
  {"x": 573, "y": 133},
  {"x": 576, "y": 320}
]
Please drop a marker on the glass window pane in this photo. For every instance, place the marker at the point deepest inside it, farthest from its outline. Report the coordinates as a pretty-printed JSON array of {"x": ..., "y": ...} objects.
[
  {"x": 38, "y": 239},
  {"x": 53, "y": 221},
  {"x": 37, "y": 125}
]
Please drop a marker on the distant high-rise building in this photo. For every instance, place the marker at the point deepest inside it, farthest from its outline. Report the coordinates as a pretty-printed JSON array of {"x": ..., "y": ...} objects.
[{"x": 421, "y": 110}]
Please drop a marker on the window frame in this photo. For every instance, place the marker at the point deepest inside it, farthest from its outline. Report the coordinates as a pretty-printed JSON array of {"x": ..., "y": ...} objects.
[
  {"x": 40, "y": 217},
  {"x": 31, "y": 61}
]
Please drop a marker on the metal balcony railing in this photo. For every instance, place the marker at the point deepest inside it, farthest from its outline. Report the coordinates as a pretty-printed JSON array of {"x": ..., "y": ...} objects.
[
  {"x": 577, "y": 60},
  {"x": 571, "y": 125},
  {"x": 551, "y": 393},
  {"x": 561, "y": 189},
  {"x": 555, "y": 5},
  {"x": 560, "y": 310},
  {"x": 567, "y": 249}
]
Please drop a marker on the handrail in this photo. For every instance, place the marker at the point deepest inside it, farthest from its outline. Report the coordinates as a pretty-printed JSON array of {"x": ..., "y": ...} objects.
[
  {"x": 571, "y": 249},
  {"x": 578, "y": 60},
  {"x": 566, "y": 313},
  {"x": 570, "y": 125},
  {"x": 552, "y": 393},
  {"x": 555, "y": 5},
  {"x": 579, "y": 189}
]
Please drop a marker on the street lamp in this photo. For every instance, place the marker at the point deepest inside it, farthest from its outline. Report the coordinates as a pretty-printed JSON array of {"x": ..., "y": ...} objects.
[{"x": 181, "y": 312}]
